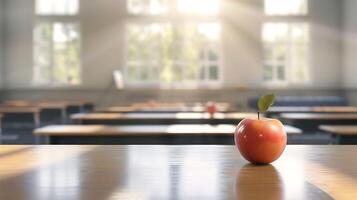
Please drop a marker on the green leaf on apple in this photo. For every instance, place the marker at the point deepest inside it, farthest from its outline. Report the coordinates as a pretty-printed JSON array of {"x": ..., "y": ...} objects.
[{"x": 265, "y": 102}]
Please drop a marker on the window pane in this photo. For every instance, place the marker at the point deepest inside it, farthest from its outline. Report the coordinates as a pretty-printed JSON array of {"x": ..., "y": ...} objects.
[
  {"x": 213, "y": 72},
  {"x": 42, "y": 46},
  {"x": 131, "y": 73},
  {"x": 281, "y": 72},
  {"x": 57, "y": 7},
  {"x": 286, "y": 49},
  {"x": 200, "y": 7},
  {"x": 275, "y": 32},
  {"x": 268, "y": 73},
  {"x": 285, "y": 7},
  {"x": 177, "y": 52},
  {"x": 57, "y": 53},
  {"x": 213, "y": 56},
  {"x": 150, "y": 7}
]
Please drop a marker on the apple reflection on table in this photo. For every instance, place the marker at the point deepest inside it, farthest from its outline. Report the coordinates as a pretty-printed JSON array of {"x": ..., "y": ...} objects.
[{"x": 259, "y": 182}]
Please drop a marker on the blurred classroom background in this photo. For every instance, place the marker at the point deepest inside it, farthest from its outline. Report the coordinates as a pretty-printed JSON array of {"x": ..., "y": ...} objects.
[{"x": 135, "y": 71}]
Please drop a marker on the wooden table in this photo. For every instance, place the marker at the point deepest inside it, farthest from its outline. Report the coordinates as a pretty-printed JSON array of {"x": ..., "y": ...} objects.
[
  {"x": 174, "y": 172},
  {"x": 18, "y": 123},
  {"x": 160, "y": 118},
  {"x": 61, "y": 110},
  {"x": 50, "y": 113},
  {"x": 1, "y": 137},
  {"x": 276, "y": 110},
  {"x": 150, "y": 134},
  {"x": 130, "y": 109},
  {"x": 310, "y": 121},
  {"x": 13, "y": 112},
  {"x": 346, "y": 134},
  {"x": 72, "y": 107}
]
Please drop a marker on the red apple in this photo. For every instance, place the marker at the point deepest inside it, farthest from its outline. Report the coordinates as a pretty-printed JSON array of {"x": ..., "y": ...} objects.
[
  {"x": 260, "y": 141},
  {"x": 211, "y": 108}
]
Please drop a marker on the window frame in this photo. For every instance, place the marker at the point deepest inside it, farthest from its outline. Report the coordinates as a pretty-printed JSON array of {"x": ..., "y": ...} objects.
[
  {"x": 52, "y": 19},
  {"x": 175, "y": 18},
  {"x": 289, "y": 19},
  {"x": 305, "y": 12}
]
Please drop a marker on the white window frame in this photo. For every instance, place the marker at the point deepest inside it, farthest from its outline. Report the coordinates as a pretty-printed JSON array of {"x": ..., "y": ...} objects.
[
  {"x": 174, "y": 18},
  {"x": 57, "y": 18},
  {"x": 288, "y": 19}
]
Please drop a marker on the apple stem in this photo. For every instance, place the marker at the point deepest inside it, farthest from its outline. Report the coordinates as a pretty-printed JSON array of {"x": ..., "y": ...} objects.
[{"x": 258, "y": 115}]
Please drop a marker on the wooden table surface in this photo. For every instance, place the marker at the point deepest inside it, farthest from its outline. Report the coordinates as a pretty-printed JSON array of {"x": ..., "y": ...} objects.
[
  {"x": 16, "y": 109},
  {"x": 125, "y": 109},
  {"x": 143, "y": 116},
  {"x": 43, "y": 105},
  {"x": 174, "y": 172},
  {"x": 318, "y": 116},
  {"x": 317, "y": 109},
  {"x": 100, "y": 130},
  {"x": 347, "y": 130},
  {"x": 46, "y": 103}
]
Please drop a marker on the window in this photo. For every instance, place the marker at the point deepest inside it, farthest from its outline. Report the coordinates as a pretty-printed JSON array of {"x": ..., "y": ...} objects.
[
  {"x": 151, "y": 7},
  {"x": 57, "y": 7},
  {"x": 174, "y": 52},
  {"x": 57, "y": 43},
  {"x": 285, "y": 7},
  {"x": 285, "y": 50},
  {"x": 286, "y": 43},
  {"x": 200, "y": 7}
]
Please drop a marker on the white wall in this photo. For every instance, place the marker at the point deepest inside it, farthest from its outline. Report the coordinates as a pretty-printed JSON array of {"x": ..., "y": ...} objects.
[
  {"x": 103, "y": 27},
  {"x": 1, "y": 43},
  {"x": 350, "y": 44},
  {"x": 103, "y": 41},
  {"x": 325, "y": 22},
  {"x": 18, "y": 43}
]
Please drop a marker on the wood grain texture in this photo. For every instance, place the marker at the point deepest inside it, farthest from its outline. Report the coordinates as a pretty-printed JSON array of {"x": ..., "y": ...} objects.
[
  {"x": 174, "y": 172},
  {"x": 101, "y": 130},
  {"x": 340, "y": 130}
]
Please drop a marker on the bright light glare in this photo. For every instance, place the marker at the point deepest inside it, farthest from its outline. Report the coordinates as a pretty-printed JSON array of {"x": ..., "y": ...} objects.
[
  {"x": 210, "y": 30},
  {"x": 151, "y": 7},
  {"x": 57, "y": 7},
  {"x": 59, "y": 34},
  {"x": 201, "y": 7},
  {"x": 275, "y": 32},
  {"x": 285, "y": 7}
]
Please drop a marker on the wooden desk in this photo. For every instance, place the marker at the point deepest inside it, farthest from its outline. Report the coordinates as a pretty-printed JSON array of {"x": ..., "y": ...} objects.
[
  {"x": 20, "y": 114},
  {"x": 157, "y": 104},
  {"x": 342, "y": 134},
  {"x": 175, "y": 104},
  {"x": 1, "y": 137},
  {"x": 50, "y": 113},
  {"x": 315, "y": 109},
  {"x": 66, "y": 108},
  {"x": 18, "y": 123},
  {"x": 174, "y": 172},
  {"x": 311, "y": 121},
  {"x": 72, "y": 107},
  {"x": 151, "y": 134},
  {"x": 160, "y": 118},
  {"x": 129, "y": 109}
]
